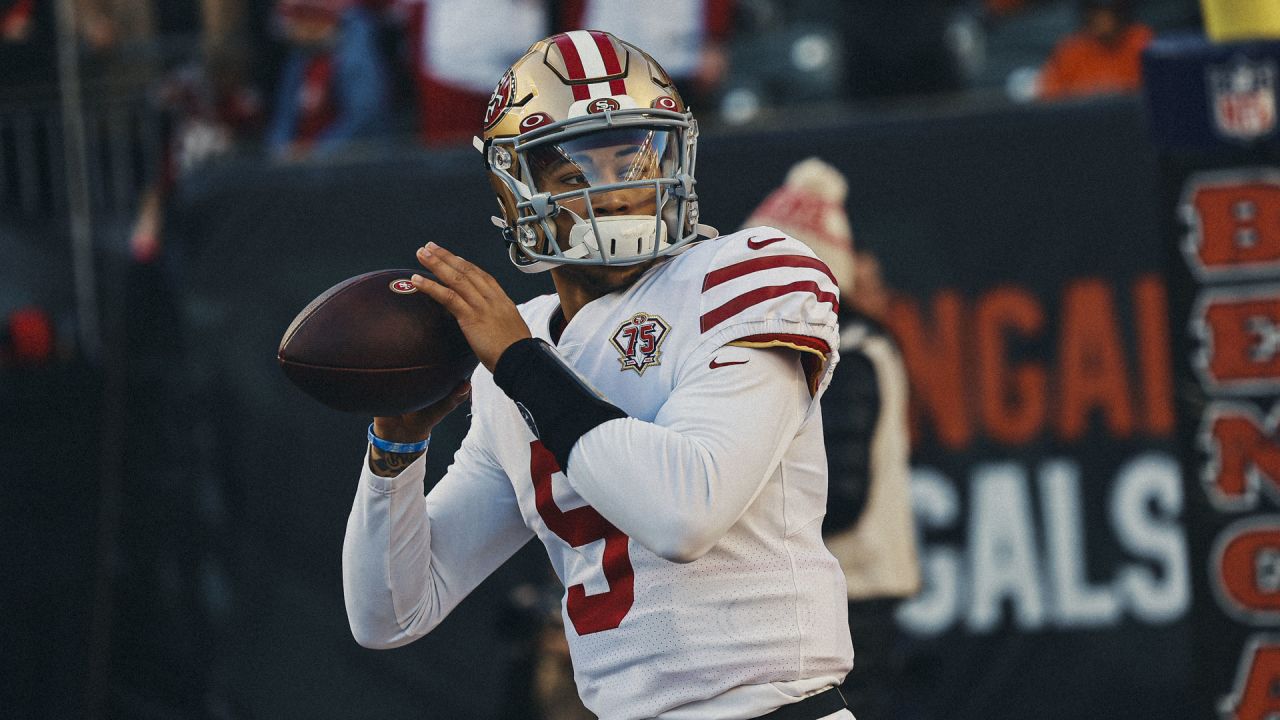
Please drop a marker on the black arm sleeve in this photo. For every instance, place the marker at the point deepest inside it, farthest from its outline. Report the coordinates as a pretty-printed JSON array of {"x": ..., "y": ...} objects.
[
  {"x": 850, "y": 409},
  {"x": 557, "y": 404}
]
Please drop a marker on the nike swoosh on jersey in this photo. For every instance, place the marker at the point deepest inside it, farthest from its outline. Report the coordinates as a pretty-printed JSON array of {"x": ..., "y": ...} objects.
[
  {"x": 713, "y": 364},
  {"x": 757, "y": 244}
]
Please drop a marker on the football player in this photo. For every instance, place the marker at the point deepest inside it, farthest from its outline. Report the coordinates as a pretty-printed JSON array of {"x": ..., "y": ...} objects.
[{"x": 655, "y": 422}]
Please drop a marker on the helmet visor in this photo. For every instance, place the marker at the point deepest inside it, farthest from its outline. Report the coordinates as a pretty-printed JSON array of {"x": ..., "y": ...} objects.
[{"x": 600, "y": 159}]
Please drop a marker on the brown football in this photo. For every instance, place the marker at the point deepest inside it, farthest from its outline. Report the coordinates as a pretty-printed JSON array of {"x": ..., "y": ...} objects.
[{"x": 375, "y": 345}]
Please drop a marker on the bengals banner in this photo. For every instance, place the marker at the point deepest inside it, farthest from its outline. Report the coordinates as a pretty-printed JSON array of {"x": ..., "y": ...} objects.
[
  {"x": 1047, "y": 494},
  {"x": 1213, "y": 112}
]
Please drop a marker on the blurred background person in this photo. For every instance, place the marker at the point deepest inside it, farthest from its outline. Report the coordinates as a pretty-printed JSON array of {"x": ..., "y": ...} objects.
[
  {"x": 16, "y": 19},
  {"x": 456, "y": 54},
  {"x": 869, "y": 525},
  {"x": 209, "y": 109},
  {"x": 689, "y": 39},
  {"x": 27, "y": 42},
  {"x": 116, "y": 25},
  {"x": 333, "y": 88},
  {"x": 1103, "y": 56},
  {"x": 893, "y": 48},
  {"x": 26, "y": 338},
  {"x": 999, "y": 8},
  {"x": 539, "y": 671}
]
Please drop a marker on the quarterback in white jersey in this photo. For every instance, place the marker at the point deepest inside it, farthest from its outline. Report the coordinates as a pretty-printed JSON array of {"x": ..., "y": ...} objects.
[{"x": 655, "y": 423}]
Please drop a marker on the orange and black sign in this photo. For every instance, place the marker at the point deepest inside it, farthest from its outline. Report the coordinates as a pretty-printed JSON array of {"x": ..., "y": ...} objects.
[{"x": 1231, "y": 248}]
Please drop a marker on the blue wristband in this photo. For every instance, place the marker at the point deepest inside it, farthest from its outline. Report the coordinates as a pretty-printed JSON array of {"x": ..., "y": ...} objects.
[{"x": 398, "y": 448}]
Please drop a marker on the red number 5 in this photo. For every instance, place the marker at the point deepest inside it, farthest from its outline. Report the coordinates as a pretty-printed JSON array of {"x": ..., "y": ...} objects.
[
  {"x": 648, "y": 343},
  {"x": 579, "y": 526}
]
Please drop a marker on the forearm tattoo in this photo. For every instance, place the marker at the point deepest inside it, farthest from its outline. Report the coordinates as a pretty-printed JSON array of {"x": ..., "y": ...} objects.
[{"x": 385, "y": 464}]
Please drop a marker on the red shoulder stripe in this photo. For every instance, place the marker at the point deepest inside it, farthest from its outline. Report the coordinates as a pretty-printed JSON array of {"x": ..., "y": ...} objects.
[
  {"x": 754, "y": 297},
  {"x": 766, "y": 262}
]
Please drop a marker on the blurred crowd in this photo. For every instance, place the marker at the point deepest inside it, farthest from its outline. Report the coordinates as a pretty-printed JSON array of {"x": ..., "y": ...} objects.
[
  {"x": 169, "y": 86},
  {"x": 305, "y": 76}
]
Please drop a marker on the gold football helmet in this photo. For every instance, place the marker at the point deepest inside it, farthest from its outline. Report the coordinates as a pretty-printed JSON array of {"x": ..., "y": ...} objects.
[{"x": 588, "y": 128}]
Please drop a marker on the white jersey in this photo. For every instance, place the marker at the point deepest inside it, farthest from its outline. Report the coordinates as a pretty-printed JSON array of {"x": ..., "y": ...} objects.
[{"x": 687, "y": 534}]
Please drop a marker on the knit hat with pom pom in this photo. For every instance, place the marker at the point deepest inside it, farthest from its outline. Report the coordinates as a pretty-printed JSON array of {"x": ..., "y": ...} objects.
[{"x": 810, "y": 207}]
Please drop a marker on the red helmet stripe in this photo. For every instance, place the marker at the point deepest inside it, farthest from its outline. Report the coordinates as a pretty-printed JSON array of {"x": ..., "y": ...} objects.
[
  {"x": 573, "y": 65},
  {"x": 611, "y": 64}
]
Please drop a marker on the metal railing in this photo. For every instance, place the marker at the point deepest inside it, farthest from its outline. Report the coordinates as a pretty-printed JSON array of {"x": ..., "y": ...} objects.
[{"x": 123, "y": 151}]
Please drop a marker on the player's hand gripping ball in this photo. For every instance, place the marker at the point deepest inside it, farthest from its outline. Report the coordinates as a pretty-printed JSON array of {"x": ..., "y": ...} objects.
[{"x": 376, "y": 345}]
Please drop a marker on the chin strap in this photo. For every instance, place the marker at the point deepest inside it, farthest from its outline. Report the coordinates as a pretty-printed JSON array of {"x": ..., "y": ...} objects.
[
  {"x": 706, "y": 232},
  {"x": 536, "y": 266}
]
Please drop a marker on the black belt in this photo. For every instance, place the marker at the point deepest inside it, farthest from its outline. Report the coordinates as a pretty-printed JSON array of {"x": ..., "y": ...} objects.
[{"x": 813, "y": 707}]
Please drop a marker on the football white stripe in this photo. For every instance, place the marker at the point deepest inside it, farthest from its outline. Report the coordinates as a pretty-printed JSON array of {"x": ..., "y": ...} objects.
[{"x": 592, "y": 61}]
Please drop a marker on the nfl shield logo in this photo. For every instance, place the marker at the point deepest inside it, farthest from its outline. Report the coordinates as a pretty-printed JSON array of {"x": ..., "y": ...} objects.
[
  {"x": 1244, "y": 98},
  {"x": 639, "y": 342}
]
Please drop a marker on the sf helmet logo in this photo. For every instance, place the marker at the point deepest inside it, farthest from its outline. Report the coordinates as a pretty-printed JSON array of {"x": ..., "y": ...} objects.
[
  {"x": 500, "y": 100},
  {"x": 639, "y": 342},
  {"x": 603, "y": 105},
  {"x": 403, "y": 287}
]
